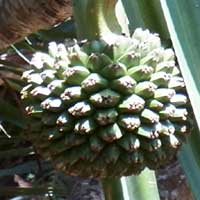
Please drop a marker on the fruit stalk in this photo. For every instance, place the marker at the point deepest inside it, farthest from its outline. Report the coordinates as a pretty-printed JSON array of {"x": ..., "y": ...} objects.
[
  {"x": 139, "y": 187},
  {"x": 95, "y": 19}
]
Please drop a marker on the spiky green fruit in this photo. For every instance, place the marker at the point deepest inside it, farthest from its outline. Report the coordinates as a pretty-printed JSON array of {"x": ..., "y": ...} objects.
[{"x": 107, "y": 110}]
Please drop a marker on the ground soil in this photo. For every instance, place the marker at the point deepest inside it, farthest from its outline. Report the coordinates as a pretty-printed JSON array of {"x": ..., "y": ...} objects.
[{"x": 172, "y": 183}]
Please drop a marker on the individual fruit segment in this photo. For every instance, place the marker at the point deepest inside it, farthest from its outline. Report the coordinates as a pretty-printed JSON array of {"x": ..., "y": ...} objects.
[
  {"x": 41, "y": 92},
  {"x": 149, "y": 116},
  {"x": 106, "y": 116},
  {"x": 179, "y": 100},
  {"x": 124, "y": 85},
  {"x": 167, "y": 111},
  {"x": 34, "y": 110},
  {"x": 72, "y": 95},
  {"x": 161, "y": 79},
  {"x": 129, "y": 142},
  {"x": 110, "y": 133},
  {"x": 33, "y": 78},
  {"x": 132, "y": 104},
  {"x": 141, "y": 72},
  {"x": 166, "y": 66},
  {"x": 105, "y": 99},
  {"x": 94, "y": 83},
  {"x": 179, "y": 115},
  {"x": 177, "y": 83},
  {"x": 48, "y": 75},
  {"x": 132, "y": 158},
  {"x": 154, "y": 104},
  {"x": 164, "y": 94},
  {"x": 145, "y": 89},
  {"x": 75, "y": 75},
  {"x": 96, "y": 144},
  {"x": 167, "y": 128},
  {"x": 52, "y": 104},
  {"x": 150, "y": 132},
  {"x": 111, "y": 154},
  {"x": 114, "y": 70},
  {"x": 64, "y": 122},
  {"x": 129, "y": 122},
  {"x": 80, "y": 109},
  {"x": 56, "y": 86},
  {"x": 84, "y": 126},
  {"x": 151, "y": 145}
]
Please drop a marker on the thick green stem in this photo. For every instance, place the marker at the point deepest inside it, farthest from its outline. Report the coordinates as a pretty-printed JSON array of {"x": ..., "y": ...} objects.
[
  {"x": 95, "y": 18},
  {"x": 113, "y": 189},
  {"x": 140, "y": 187}
]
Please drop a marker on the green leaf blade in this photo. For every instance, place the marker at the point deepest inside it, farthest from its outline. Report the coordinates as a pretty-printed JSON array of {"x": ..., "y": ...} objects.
[
  {"x": 184, "y": 27},
  {"x": 183, "y": 22},
  {"x": 146, "y": 14}
]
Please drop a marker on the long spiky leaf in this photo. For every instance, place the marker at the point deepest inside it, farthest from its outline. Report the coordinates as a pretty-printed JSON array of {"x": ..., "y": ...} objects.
[{"x": 184, "y": 26}]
